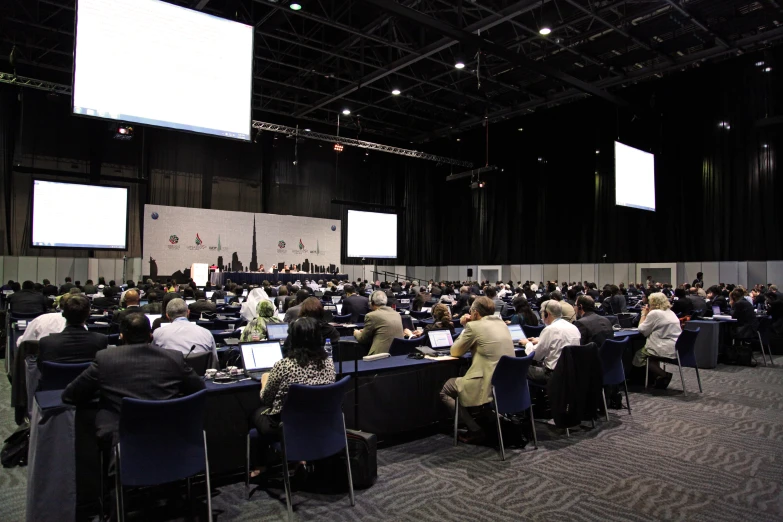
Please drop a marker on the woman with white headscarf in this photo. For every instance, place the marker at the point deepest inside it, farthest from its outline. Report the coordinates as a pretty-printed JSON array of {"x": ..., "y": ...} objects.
[{"x": 250, "y": 306}]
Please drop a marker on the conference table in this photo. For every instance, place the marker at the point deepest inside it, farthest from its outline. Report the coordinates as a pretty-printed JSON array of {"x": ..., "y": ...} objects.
[{"x": 256, "y": 278}]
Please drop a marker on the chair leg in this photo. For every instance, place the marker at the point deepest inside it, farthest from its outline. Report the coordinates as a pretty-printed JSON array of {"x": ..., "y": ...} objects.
[
  {"x": 247, "y": 467},
  {"x": 568, "y": 433},
  {"x": 533, "y": 427},
  {"x": 348, "y": 466},
  {"x": 679, "y": 367},
  {"x": 286, "y": 479},
  {"x": 646, "y": 372},
  {"x": 456, "y": 419},
  {"x": 118, "y": 485},
  {"x": 206, "y": 474},
  {"x": 628, "y": 402},
  {"x": 698, "y": 379},
  {"x": 190, "y": 490},
  {"x": 101, "y": 492},
  {"x": 606, "y": 410},
  {"x": 500, "y": 433},
  {"x": 763, "y": 353}
]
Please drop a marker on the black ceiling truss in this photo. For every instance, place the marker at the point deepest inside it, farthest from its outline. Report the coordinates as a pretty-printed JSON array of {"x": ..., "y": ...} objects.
[{"x": 311, "y": 64}]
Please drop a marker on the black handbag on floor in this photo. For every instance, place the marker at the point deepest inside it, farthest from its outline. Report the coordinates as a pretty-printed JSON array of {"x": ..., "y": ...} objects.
[
  {"x": 330, "y": 475},
  {"x": 15, "y": 447}
]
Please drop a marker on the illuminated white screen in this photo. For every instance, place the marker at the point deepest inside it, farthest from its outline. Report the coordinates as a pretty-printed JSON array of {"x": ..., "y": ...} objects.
[
  {"x": 151, "y": 62},
  {"x": 634, "y": 177},
  {"x": 70, "y": 215},
  {"x": 371, "y": 234}
]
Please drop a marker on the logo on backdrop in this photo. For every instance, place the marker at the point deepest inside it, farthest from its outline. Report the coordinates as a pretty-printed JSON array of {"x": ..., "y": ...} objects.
[
  {"x": 198, "y": 239},
  {"x": 334, "y": 228},
  {"x": 173, "y": 240},
  {"x": 281, "y": 247},
  {"x": 155, "y": 215},
  {"x": 199, "y": 244}
]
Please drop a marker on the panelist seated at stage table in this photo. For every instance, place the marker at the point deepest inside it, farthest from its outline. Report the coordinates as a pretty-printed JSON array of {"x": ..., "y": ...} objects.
[
  {"x": 201, "y": 304},
  {"x": 293, "y": 311},
  {"x": 548, "y": 347},
  {"x": 182, "y": 335},
  {"x": 261, "y": 269},
  {"x": 131, "y": 306},
  {"x": 137, "y": 370},
  {"x": 75, "y": 343},
  {"x": 312, "y": 307},
  {"x": 487, "y": 337},
  {"x": 28, "y": 300},
  {"x": 305, "y": 363},
  {"x": 661, "y": 327},
  {"x": 256, "y": 328},
  {"x": 381, "y": 326},
  {"x": 354, "y": 304}
]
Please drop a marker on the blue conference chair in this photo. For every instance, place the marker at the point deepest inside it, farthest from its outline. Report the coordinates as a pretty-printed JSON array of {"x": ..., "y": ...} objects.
[
  {"x": 312, "y": 428},
  {"x": 420, "y": 315},
  {"x": 765, "y": 323},
  {"x": 684, "y": 349},
  {"x": 405, "y": 346},
  {"x": 57, "y": 376},
  {"x": 533, "y": 331},
  {"x": 611, "y": 356},
  {"x": 510, "y": 393},
  {"x": 161, "y": 442},
  {"x": 342, "y": 319}
]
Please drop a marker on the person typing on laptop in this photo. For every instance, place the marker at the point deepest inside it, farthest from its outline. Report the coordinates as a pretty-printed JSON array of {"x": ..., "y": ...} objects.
[
  {"x": 442, "y": 322},
  {"x": 305, "y": 363}
]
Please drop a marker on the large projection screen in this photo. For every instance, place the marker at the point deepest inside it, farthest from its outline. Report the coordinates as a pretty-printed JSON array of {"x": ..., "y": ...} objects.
[
  {"x": 71, "y": 215},
  {"x": 372, "y": 235},
  {"x": 634, "y": 177},
  {"x": 154, "y": 63}
]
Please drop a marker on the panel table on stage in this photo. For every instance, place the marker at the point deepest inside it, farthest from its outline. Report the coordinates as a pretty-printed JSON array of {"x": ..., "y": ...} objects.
[{"x": 256, "y": 278}]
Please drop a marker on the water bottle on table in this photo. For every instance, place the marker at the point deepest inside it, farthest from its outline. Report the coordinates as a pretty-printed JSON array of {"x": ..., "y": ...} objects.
[{"x": 328, "y": 348}]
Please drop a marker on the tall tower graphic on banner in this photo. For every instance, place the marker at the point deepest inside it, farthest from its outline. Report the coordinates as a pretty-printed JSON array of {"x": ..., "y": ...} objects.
[{"x": 254, "y": 253}]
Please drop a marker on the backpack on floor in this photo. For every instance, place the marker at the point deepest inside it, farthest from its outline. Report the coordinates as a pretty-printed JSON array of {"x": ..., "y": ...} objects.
[{"x": 330, "y": 474}]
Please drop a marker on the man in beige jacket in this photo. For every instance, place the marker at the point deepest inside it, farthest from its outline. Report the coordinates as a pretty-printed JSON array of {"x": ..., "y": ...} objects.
[
  {"x": 381, "y": 325},
  {"x": 488, "y": 339}
]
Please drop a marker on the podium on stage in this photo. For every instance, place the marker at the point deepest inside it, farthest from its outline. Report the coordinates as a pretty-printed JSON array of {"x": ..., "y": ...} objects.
[{"x": 199, "y": 272}]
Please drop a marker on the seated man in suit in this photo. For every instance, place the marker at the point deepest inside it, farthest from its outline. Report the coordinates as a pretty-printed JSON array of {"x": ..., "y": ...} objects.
[
  {"x": 698, "y": 302},
  {"x": 491, "y": 292},
  {"x": 592, "y": 327},
  {"x": 293, "y": 311},
  {"x": 381, "y": 326},
  {"x": 201, "y": 305},
  {"x": 131, "y": 307},
  {"x": 75, "y": 343},
  {"x": 154, "y": 305},
  {"x": 682, "y": 305},
  {"x": 28, "y": 300},
  {"x": 182, "y": 335},
  {"x": 569, "y": 314},
  {"x": 557, "y": 334},
  {"x": 136, "y": 370},
  {"x": 487, "y": 337},
  {"x": 66, "y": 287},
  {"x": 89, "y": 287},
  {"x": 48, "y": 288},
  {"x": 354, "y": 304}
]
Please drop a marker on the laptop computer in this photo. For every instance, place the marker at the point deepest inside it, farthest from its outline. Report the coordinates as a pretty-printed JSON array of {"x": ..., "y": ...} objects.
[
  {"x": 189, "y": 301},
  {"x": 336, "y": 299},
  {"x": 440, "y": 339},
  {"x": 277, "y": 332},
  {"x": 716, "y": 310},
  {"x": 144, "y": 302},
  {"x": 152, "y": 317},
  {"x": 426, "y": 309},
  {"x": 208, "y": 295},
  {"x": 517, "y": 334},
  {"x": 258, "y": 358},
  {"x": 407, "y": 322}
]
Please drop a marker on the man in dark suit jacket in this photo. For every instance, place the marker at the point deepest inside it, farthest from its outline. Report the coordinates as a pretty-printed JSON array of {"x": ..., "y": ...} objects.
[
  {"x": 131, "y": 306},
  {"x": 64, "y": 289},
  {"x": 682, "y": 305},
  {"x": 354, "y": 304},
  {"x": 28, "y": 301},
  {"x": 75, "y": 343},
  {"x": 698, "y": 302},
  {"x": 201, "y": 305},
  {"x": 90, "y": 288},
  {"x": 136, "y": 370},
  {"x": 48, "y": 288},
  {"x": 106, "y": 301},
  {"x": 592, "y": 327}
]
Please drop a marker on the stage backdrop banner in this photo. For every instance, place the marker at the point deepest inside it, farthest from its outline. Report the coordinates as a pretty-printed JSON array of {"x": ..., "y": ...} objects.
[{"x": 176, "y": 237}]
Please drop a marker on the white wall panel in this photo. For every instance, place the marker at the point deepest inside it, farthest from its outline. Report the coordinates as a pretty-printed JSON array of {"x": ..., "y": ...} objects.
[
  {"x": 575, "y": 273},
  {"x": 65, "y": 269},
  {"x": 774, "y": 274},
  {"x": 524, "y": 273},
  {"x": 691, "y": 269},
  {"x": 453, "y": 273},
  {"x": 729, "y": 272},
  {"x": 80, "y": 268},
  {"x": 605, "y": 274},
  {"x": 28, "y": 269},
  {"x": 711, "y": 270},
  {"x": 588, "y": 273},
  {"x": 420, "y": 273},
  {"x": 550, "y": 273},
  {"x": 563, "y": 273},
  {"x": 742, "y": 276},
  {"x": 505, "y": 273},
  {"x": 429, "y": 272},
  {"x": 758, "y": 273},
  {"x": 399, "y": 269},
  {"x": 105, "y": 269},
  {"x": 537, "y": 273},
  {"x": 620, "y": 274},
  {"x": 516, "y": 274},
  {"x": 10, "y": 268}
]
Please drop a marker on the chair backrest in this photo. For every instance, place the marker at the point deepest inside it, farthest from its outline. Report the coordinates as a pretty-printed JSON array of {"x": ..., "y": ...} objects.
[
  {"x": 161, "y": 441},
  {"x": 405, "y": 346},
  {"x": 114, "y": 339},
  {"x": 510, "y": 383},
  {"x": 57, "y": 376},
  {"x": 611, "y": 355},
  {"x": 312, "y": 419},
  {"x": 341, "y": 318},
  {"x": 685, "y": 346},
  {"x": 765, "y": 323},
  {"x": 200, "y": 362},
  {"x": 24, "y": 317},
  {"x": 533, "y": 331}
]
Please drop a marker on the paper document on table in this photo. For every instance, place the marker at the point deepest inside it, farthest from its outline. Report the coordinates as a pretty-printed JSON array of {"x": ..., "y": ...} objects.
[{"x": 440, "y": 358}]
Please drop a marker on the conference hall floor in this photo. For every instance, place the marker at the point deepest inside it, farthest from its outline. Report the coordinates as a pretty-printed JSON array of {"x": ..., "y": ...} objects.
[{"x": 696, "y": 457}]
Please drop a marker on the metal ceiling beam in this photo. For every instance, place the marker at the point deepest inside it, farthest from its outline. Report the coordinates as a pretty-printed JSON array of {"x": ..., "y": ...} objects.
[
  {"x": 429, "y": 50},
  {"x": 677, "y": 7},
  {"x": 198, "y": 5},
  {"x": 469, "y": 37}
]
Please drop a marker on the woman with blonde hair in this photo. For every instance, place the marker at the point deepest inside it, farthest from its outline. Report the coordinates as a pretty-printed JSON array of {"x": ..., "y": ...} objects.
[{"x": 661, "y": 327}]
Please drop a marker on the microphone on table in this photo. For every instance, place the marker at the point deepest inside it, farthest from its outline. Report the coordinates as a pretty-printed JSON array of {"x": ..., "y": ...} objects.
[{"x": 191, "y": 351}]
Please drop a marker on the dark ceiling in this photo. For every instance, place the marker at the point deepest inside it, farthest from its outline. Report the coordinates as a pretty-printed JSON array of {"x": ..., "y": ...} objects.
[{"x": 336, "y": 54}]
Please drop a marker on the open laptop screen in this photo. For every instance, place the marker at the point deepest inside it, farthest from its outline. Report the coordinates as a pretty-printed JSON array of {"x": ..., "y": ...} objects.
[
  {"x": 260, "y": 356},
  {"x": 153, "y": 317},
  {"x": 716, "y": 310},
  {"x": 440, "y": 338},
  {"x": 277, "y": 332},
  {"x": 516, "y": 332}
]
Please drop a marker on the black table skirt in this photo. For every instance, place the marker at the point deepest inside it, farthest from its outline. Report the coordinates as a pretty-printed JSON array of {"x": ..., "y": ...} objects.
[{"x": 255, "y": 278}]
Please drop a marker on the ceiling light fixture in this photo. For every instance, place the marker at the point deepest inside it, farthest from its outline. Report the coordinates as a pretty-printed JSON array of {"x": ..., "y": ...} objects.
[
  {"x": 768, "y": 69},
  {"x": 346, "y": 112},
  {"x": 597, "y": 151},
  {"x": 460, "y": 64},
  {"x": 759, "y": 64},
  {"x": 520, "y": 129},
  {"x": 295, "y": 6},
  {"x": 396, "y": 92},
  {"x": 545, "y": 31},
  {"x": 307, "y": 130}
]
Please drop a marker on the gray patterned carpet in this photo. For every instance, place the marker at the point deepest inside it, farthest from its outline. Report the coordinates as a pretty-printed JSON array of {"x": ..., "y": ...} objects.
[{"x": 697, "y": 457}]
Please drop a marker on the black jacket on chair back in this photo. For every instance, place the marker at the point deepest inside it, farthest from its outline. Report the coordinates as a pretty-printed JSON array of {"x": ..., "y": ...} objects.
[{"x": 576, "y": 385}]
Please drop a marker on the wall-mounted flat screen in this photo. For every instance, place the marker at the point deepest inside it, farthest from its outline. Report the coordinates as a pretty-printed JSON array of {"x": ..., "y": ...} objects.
[{"x": 372, "y": 235}]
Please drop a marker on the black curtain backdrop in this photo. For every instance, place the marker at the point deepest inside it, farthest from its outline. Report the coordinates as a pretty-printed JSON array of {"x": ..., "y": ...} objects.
[{"x": 550, "y": 201}]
